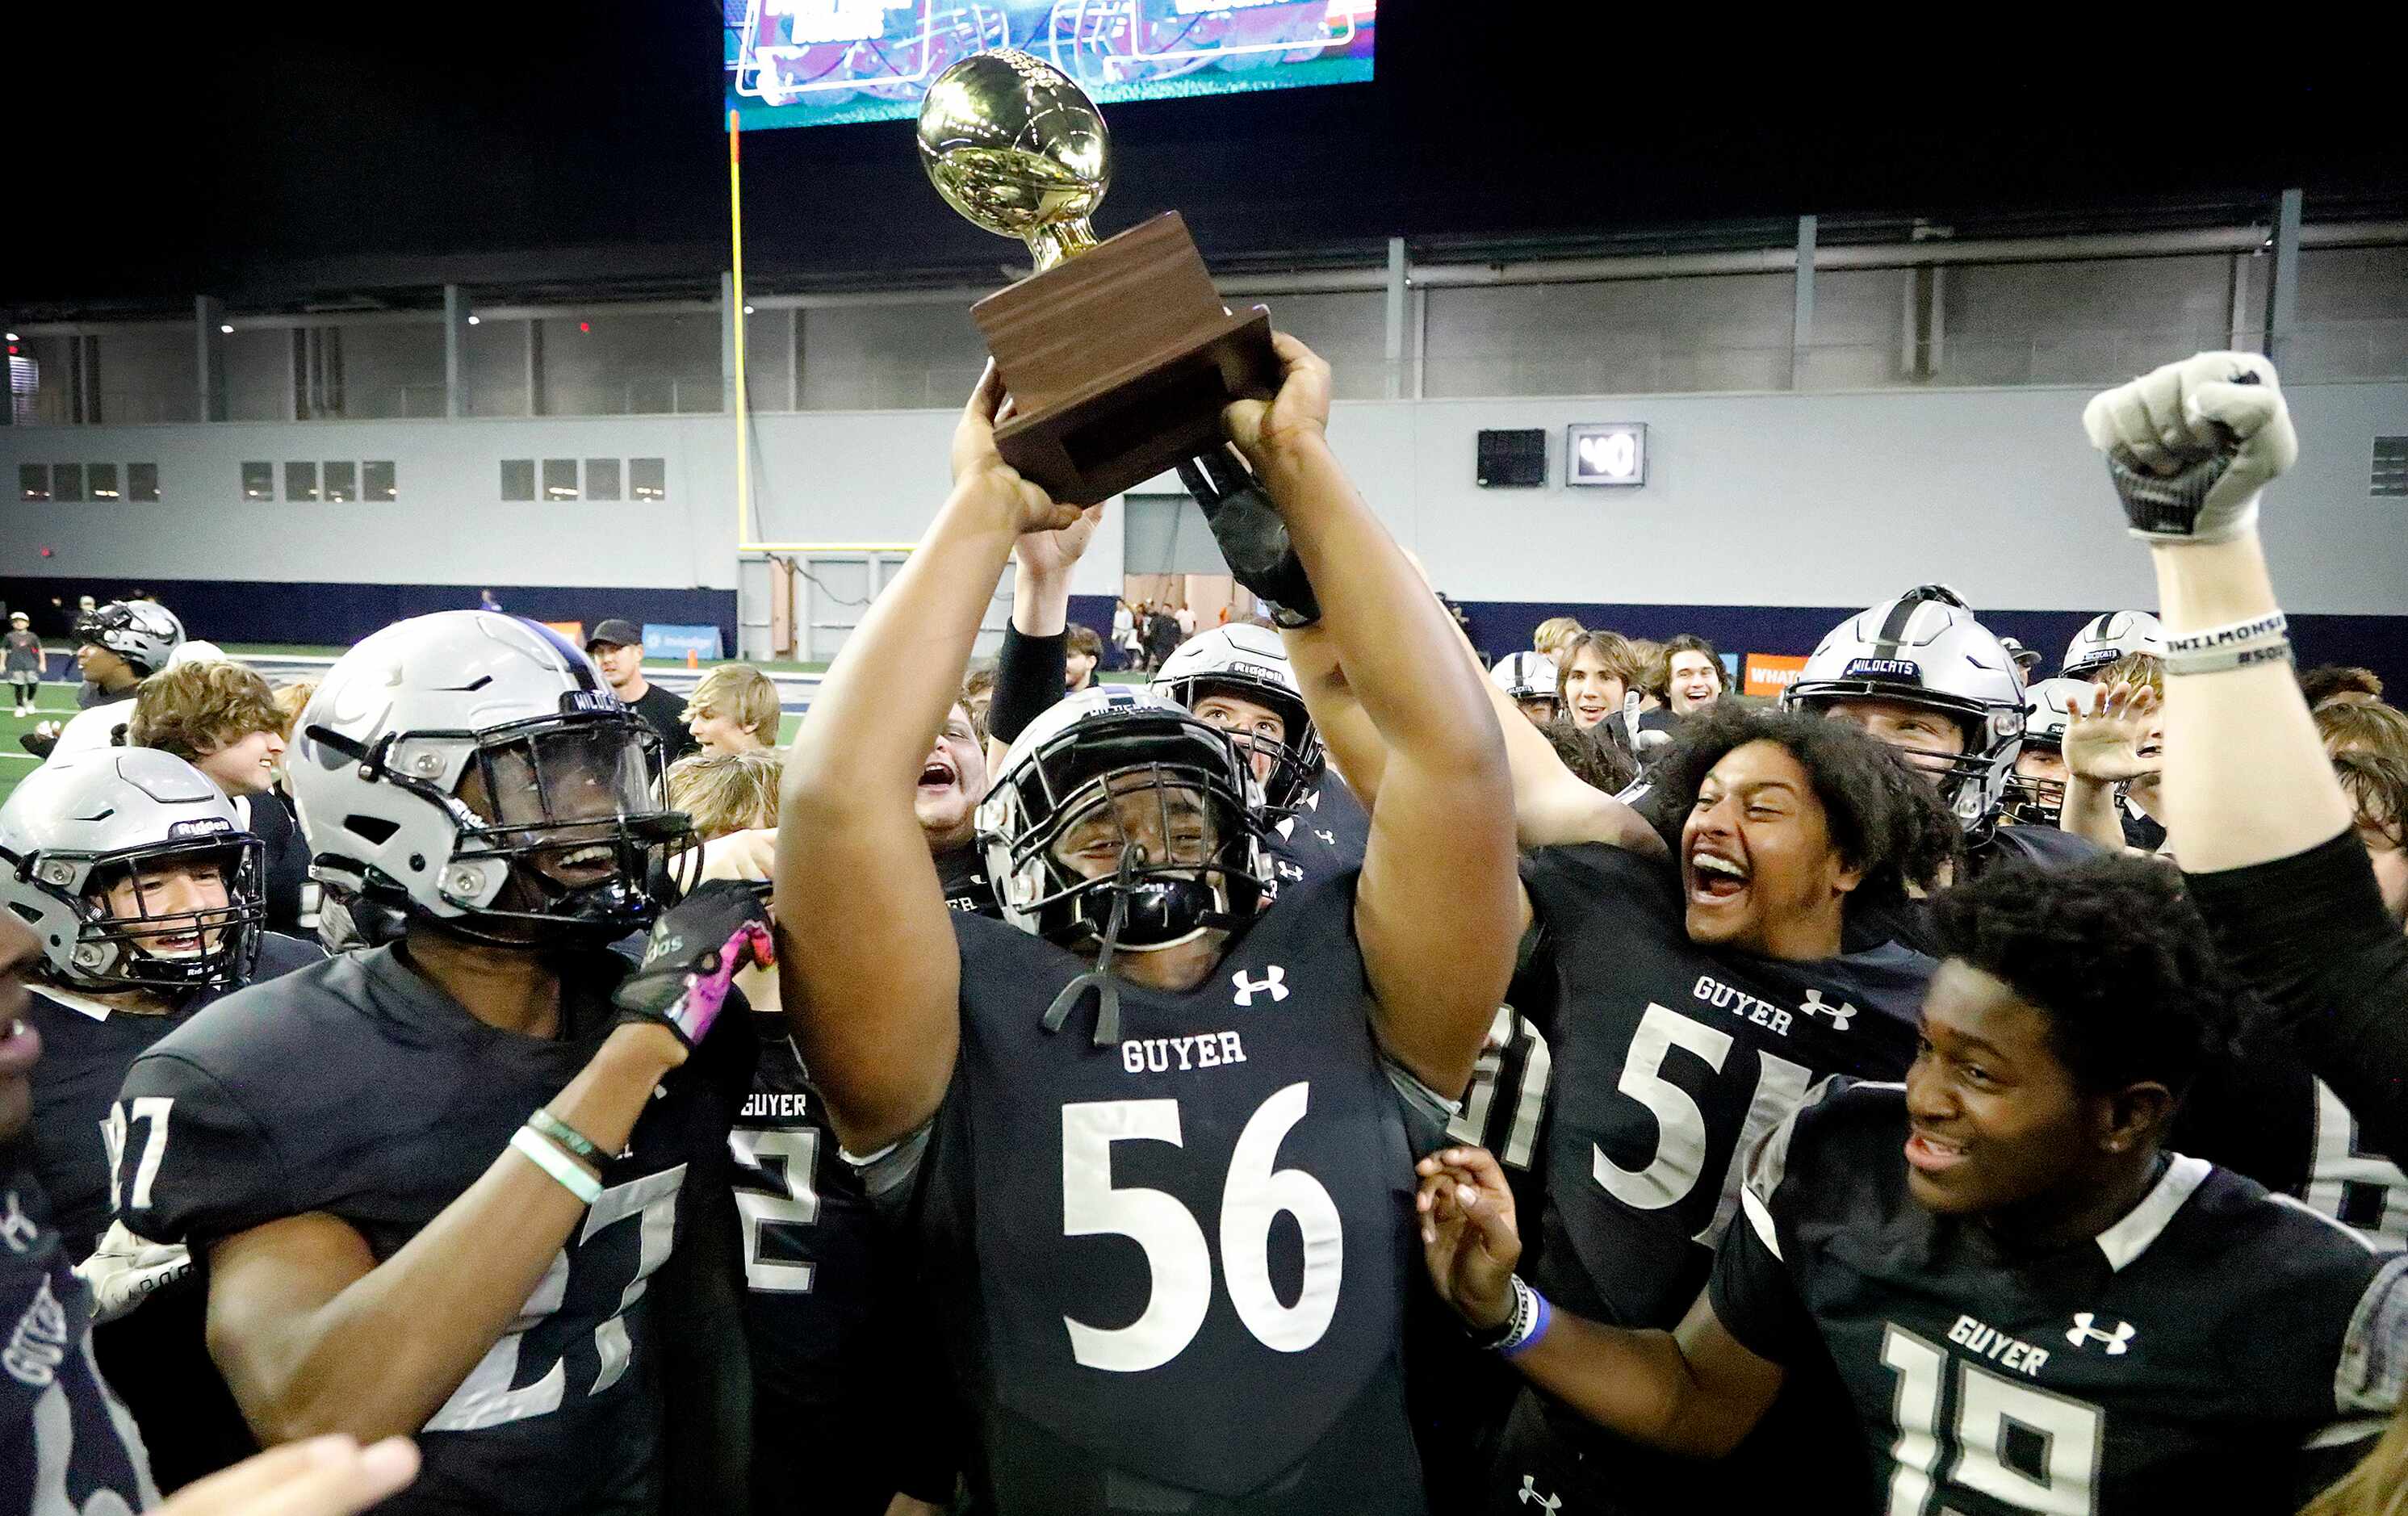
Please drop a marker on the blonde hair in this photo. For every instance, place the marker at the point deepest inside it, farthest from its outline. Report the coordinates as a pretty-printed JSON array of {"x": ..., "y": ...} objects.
[
  {"x": 727, "y": 792},
  {"x": 197, "y": 708},
  {"x": 2144, "y": 671},
  {"x": 293, "y": 699},
  {"x": 1554, "y": 633},
  {"x": 742, "y": 694},
  {"x": 2378, "y": 1487}
]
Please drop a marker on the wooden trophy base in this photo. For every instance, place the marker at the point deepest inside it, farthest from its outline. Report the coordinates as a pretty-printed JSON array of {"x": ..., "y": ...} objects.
[{"x": 1119, "y": 363}]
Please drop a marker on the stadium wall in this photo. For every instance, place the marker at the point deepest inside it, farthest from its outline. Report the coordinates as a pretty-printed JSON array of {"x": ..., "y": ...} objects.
[{"x": 1754, "y": 504}]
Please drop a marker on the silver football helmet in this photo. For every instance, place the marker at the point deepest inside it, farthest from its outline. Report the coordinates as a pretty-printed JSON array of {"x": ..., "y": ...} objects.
[
  {"x": 2048, "y": 706},
  {"x": 78, "y": 826},
  {"x": 1920, "y": 651},
  {"x": 1204, "y": 867},
  {"x": 144, "y": 633},
  {"x": 1251, "y": 663},
  {"x": 472, "y": 768},
  {"x": 1525, "y": 675},
  {"x": 2106, "y": 638}
]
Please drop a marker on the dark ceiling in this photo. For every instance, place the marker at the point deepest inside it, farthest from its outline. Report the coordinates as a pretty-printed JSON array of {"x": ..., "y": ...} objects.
[{"x": 371, "y": 150}]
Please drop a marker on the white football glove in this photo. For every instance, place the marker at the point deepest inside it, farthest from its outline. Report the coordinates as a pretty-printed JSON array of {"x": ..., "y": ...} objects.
[
  {"x": 126, "y": 1270},
  {"x": 2190, "y": 444}
]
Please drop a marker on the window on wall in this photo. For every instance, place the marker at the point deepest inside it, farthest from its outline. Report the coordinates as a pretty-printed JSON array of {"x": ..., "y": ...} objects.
[
  {"x": 518, "y": 478},
  {"x": 376, "y": 482},
  {"x": 601, "y": 479},
  {"x": 142, "y": 483},
  {"x": 258, "y": 481},
  {"x": 647, "y": 478},
  {"x": 300, "y": 481},
  {"x": 102, "y": 479},
  {"x": 67, "y": 481},
  {"x": 342, "y": 481},
  {"x": 32, "y": 482},
  {"x": 560, "y": 479}
]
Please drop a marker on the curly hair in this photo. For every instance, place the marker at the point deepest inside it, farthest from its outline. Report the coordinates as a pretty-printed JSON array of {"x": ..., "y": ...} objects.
[
  {"x": 1661, "y": 672},
  {"x": 197, "y": 708},
  {"x": 1886, "y": 820},
  {"x": 2115, "y": 956},
  {"x": 1594, "y": 761},
  {"x": 2346, "y": 726},
  {"x": 2377, "y": 786}
]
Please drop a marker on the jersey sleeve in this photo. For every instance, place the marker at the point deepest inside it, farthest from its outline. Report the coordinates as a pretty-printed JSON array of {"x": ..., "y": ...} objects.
[
  {"x": 2310, "y": 935},
  {"x": 193, "y": 1166},
  {"x": 1754, "y": 1292}
]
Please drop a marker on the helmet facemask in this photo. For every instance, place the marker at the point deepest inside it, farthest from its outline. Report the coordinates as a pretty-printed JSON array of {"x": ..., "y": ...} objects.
[
  {"x": 558, "y": 822},
  {"x": 130, "y": 937},
  {"x": 1295, "y": 762}
]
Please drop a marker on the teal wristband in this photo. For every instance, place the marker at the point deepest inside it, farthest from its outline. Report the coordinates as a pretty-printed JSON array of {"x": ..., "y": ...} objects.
[
  {"x": 584, "y": 1186},
  {"x": 567, "y": 1135}
]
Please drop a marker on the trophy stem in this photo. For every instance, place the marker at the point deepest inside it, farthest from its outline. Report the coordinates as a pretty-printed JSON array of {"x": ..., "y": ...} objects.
[{"x": 1060, "y": 240}]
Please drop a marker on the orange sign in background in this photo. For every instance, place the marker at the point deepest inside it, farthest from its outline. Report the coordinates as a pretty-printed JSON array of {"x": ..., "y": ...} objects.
[
  {"x": 574, "y": 631},
  {"x": 1770, "y": 673}
]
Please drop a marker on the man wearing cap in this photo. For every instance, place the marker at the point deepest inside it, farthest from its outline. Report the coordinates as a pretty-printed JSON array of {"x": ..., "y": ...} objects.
[{"x": 618, "y": 648}]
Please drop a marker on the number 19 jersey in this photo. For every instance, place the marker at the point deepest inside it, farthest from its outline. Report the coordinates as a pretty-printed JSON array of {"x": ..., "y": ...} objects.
[{"x": 1173, "y": 1267}]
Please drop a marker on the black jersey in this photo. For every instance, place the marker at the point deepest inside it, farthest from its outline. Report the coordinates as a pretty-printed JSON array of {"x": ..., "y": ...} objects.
[
  {"x": 2046, "y": 846},
  {"x": 2262, "y": 1112},
  {"x": 2197, "y": 1355},
  {"x": 1173, "y": 1269},
  {"x": 358, "y": 1089},
  {"x": 1670, "y": 1061},
  {"x": 87, "y": 1047},
  {"x": 1324, "y": 837},
  {"x": 66, "y": 1445},
  {"x": 285, "y": 854},
  {"x": 962, "y": 873}
]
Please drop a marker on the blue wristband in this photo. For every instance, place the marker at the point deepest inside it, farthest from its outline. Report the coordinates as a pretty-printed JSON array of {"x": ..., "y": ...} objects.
[{"x": 1531, "y": 1324}]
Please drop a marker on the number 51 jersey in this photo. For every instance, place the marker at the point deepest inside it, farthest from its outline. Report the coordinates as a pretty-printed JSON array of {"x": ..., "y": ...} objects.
[{"x": 1174, "y": 1267}]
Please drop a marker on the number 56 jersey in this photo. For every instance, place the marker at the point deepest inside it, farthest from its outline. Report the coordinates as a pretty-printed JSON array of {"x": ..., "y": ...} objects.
[{"x": 1173, "y": 1266}]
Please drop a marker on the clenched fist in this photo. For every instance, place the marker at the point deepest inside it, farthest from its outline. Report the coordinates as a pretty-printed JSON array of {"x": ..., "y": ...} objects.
[{"x": 2190, "y": 445}]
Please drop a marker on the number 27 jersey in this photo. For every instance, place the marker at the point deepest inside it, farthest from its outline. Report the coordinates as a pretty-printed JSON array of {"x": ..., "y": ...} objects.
[{"x": 1177, "y": 1260}]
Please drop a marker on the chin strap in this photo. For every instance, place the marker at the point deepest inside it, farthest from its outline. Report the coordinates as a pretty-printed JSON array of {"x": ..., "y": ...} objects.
[{"x": 1099, "y": 978}]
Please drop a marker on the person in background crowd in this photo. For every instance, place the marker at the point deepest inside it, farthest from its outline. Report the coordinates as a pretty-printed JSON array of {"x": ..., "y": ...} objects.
[
  {"x": 1080, "y": 654},
  {"x": 2036, "y": 789},
  {"x": 1529, "y": 680},
  {"x": 1123, "y": 647},
  {"x": 2376, "y": 785},
  {"x": 118, "y": 647},
  {"x": 223, "y": 719},
  {"x": 2350, "y": 726},
  {"x": 488, "y": 600},
  {"x": 977, "y": 695},
  {"x": 1186, "y": 617},
  {"x": 2025, "y": 659},
  {"x": 1691, "y": 681},
  {"x": 726, "y": 793},
  {"x": 2115, "y": 755},
  {"x": 1596, "y": 669},
  {"x": 2108, "y": 637},
  {"x": 1161, "y": 637},
  {"x": 25, "y": 658},
  {"x": 618, "y": 648},
  {"x": 1552, "y": 636},
  {"x": 392, "y": 1244},
  {"x": 2337, "y": 684},
  {"x": 733, "y": 709},
  {"x": 145, "y": 890},
  {"x": 2005, "y": 1243}
]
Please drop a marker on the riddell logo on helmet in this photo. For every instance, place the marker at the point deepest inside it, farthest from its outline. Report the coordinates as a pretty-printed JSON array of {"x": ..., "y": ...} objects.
[{"x": 1882, "y": 669}]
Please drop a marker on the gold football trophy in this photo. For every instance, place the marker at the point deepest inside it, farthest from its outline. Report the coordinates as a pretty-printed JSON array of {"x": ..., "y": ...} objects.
[{"x": 1118, "y": 354}]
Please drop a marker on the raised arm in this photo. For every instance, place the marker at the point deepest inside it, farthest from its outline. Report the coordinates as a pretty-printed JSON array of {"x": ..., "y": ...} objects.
[
  {"x": 2262, "y": 826},
  {"x": 1694, "y": 1390},
  {"x": 867, "y": 968},
  {"x": 1438, "y": 909},
  {"x": 2103, "y": 736},
  {"x": 1035, "y": 661}
]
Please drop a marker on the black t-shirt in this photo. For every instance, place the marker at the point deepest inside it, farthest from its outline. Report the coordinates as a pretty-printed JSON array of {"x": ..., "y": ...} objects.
[
  {"x": 961, "y": 874},
  {"x": 2217, "y": 1349},
  {"x": 358, "y": 1089},
  {"x": 1172, "y": 1268},
  {"x": 67, "y": 1444},
  {"x": 665, "y": 713},
  {"x": 86, "y": 1050},
  {"x": 286, "y": 855}
]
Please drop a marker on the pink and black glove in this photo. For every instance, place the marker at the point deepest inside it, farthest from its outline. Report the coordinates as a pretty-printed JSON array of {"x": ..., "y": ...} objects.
[{"x": 693, "y": 956}]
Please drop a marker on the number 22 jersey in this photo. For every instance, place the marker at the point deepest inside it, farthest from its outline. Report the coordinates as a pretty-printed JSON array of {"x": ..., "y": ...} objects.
[{"x": 1173, "y": 1267}]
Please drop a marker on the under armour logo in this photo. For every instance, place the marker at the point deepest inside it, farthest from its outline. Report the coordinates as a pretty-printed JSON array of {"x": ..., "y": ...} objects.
[
  {"x": 1841, "y": 1014},
  {"x": 17, "y": 1229},
  {"x": 1287, "y": 870},
  {"x": 2119, "y": 1341},
  {"x": 1529, "y": 1495},
  {"x": 1274, "y": 980},
  {"x": 1328, "y": 839}
]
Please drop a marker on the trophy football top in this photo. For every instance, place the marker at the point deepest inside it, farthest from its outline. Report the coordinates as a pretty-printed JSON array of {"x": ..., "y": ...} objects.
[{"x": 1012, "y": 144}]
